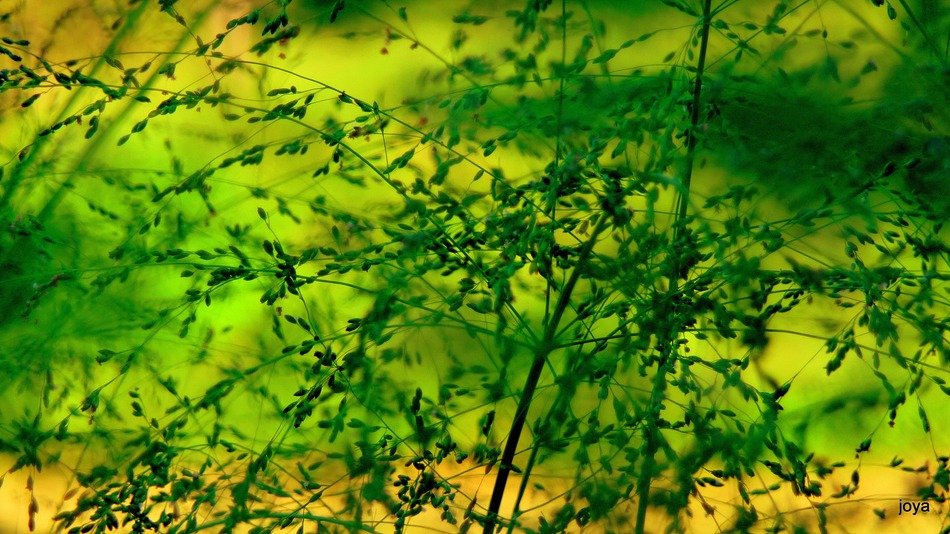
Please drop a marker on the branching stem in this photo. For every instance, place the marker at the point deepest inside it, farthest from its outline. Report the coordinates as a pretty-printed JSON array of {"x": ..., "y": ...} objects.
[
  {"x": 544, "y": 349},
  {"x": 651, "y": 427}
]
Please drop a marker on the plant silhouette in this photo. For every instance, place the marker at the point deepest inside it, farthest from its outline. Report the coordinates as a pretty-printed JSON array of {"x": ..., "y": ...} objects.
[{"x": 622, "y": 268}]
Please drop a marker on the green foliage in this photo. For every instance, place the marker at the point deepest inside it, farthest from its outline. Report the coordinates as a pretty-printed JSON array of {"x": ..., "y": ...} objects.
[{"x": 548, "y": 290}]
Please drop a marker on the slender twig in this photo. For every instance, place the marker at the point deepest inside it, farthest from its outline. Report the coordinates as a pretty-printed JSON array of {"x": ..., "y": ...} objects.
[
  {"x": 923, "y": 30},
  {"x": 693, "y": 123},
  {"x": 79, "y": 166},
  {"x": 651, "y": 427},
  {"x": 544, "y": 349},
  {"x": 549, "y": 288},
  {"x": 35, "y": 149}
]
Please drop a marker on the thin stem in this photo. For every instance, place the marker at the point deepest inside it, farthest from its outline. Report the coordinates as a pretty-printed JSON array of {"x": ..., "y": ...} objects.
[
  {"x": 693, "y": 123},
  {"x": 651, "y": 424},
  {"x": 17, "y": 175},
  {"x": 551, "y": 204},
  {"x": 96, "y": 143},
  {"x": 525, "y": 477},
  {"x": 549, "y": 286},
  {"x": 544, "y": 349},
  {"x": 923, "y": 30}
]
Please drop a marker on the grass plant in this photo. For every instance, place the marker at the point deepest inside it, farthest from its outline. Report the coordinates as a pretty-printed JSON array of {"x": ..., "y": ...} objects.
[{"x": 563, "y": 266}]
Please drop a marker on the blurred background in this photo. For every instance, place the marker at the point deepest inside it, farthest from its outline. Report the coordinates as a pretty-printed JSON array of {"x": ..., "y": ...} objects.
[{"x": 91, "y": 286}]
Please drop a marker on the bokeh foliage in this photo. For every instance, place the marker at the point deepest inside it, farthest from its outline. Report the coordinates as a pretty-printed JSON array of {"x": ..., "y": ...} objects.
[{"x": 368, "y": 266}]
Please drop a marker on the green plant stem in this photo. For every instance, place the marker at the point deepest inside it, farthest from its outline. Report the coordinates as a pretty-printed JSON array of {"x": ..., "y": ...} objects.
[
  {"x": 544, "y": 349},
  {"x": 96, "y": 143},
  {"x": 651, "y": 424},
  {"x": 923, "y": 31},
  {"x": 351, "y": 526},
  {"x": 17, "y": 174},
  {"x": 523, "y": 487},
  {"x": 551, "y": 205},
  {"x": 693, "y": 124},
  {"x": 549, "y": 287}
]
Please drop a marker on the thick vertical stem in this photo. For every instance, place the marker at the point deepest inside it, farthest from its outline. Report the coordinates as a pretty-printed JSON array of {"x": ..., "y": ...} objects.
[{"x": 651, "y": 426}]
